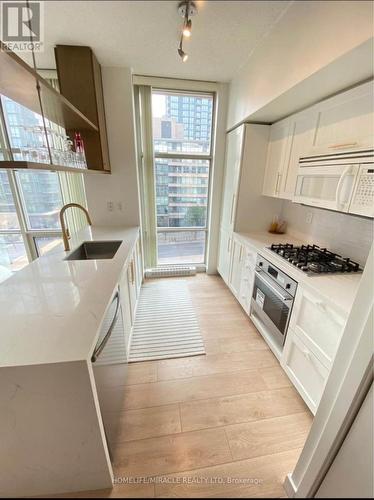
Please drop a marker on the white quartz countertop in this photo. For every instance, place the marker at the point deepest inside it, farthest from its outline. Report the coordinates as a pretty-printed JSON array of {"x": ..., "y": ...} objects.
[
  {"x": 339, "y": 289},
  {"x": 52, "y": 310}
]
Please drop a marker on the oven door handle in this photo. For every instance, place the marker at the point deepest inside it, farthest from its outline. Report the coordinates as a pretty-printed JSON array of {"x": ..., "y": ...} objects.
[{"x": 261, "y": 276}]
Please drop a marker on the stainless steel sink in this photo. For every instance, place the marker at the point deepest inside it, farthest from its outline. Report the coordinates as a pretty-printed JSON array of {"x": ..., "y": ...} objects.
[{"x": 91, "y": 250}]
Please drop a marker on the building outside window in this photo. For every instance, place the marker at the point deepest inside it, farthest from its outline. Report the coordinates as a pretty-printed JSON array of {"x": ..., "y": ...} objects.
[
  {"x": 30, "y": 200},
  {"x": 182, "y": 168}
]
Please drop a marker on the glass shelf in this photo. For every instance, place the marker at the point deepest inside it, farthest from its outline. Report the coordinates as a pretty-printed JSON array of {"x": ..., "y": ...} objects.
[
  {"x": 40, "y": 124},
  {"x": 23, "y": 84},
  {"x": 19, "y": 165}
]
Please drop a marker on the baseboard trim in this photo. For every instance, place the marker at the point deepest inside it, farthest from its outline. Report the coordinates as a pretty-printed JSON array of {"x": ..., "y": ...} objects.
[{"x": 289, "y": 486}]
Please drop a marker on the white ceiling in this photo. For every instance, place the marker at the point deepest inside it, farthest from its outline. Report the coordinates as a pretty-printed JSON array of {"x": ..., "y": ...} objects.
[{"x": 144, "y": 35}]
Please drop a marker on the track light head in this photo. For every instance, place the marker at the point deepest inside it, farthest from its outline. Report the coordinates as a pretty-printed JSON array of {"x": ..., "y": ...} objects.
[
  {"x": 186, "y": 9},
  {"x": 182, "y": 54},
  {"x": 187, "y": 28}
]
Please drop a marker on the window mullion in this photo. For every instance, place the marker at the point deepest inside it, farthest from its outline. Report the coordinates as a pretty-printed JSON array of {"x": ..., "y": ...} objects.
[
  {"x": 30, "y": 249},
  {"x": 181, "y": 156}
]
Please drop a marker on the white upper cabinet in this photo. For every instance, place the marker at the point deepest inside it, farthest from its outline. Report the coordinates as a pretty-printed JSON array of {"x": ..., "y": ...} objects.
[
  {"x": 277, "y": 156},
  {"x": 301, "y": 130},
  {"x": 346, "y": 120},
  {"x": 232, "y": 170}
]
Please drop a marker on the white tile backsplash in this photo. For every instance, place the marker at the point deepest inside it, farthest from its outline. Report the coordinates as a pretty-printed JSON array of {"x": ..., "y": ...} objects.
[{"x": 347, "y": 235}]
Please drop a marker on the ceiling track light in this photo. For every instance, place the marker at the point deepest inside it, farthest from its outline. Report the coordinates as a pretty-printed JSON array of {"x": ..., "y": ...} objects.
[
  {"x": 186, "y": 9},
  {"x": 187, "y": 28},
  {"x": 181, "y": 52}
]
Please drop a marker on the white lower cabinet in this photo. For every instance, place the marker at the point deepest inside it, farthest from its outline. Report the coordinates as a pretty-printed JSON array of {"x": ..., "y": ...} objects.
[
  {"x": 135, "y": 278},
  {"x": 224, "y": 258},
  {"x": 242, "y": 269},
  {"x": 318, "y": 323},
  {"x": 315, "y": 328},
  {"x": 131, "y": 277},
  {"x": 236, "y": 267},
  {"x": 129, "y": 287},
  {"x": 313, "y": 337},
  {"x": 247, "y": 278},
  {"x": 138, "y": 263},
  {"x": 124, "y": 291},
  {"x": 304, "y": 369}
]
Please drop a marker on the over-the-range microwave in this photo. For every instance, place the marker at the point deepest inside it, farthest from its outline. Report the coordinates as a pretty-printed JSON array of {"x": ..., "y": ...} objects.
[{"x": 342, "y": 181}]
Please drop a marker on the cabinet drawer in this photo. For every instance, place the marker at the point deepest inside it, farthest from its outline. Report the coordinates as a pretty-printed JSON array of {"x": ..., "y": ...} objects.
[
  {"x": 304, "y": 369},
  {"x": 318, "y": 324}
]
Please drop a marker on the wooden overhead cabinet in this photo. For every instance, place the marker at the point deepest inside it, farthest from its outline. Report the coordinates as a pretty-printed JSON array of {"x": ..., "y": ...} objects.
[{"x": 79, "y": 75}]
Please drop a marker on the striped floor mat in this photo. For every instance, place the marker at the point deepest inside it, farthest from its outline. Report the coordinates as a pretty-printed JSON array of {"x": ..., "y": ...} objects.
[{"x": 166, "y": 324}]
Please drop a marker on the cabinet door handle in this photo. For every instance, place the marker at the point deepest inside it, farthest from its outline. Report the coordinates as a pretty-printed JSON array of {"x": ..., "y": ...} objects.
[
  {"x": 277, "y": 184},
  {"x": 306, "y": 353},
  {"x": 240, "y": 253},
  {"x": 344, "y": 145},
  {"x": 309, "y": 356},
  {"x": 132, "y": 272},
  {"x": 228, "y": 244},
  {"x": 232, "y": 208},
  {"x": 321, "y": 305}
]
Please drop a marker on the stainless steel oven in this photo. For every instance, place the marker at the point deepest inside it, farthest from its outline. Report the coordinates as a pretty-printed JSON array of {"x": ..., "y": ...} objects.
[{"x": 272, "y": 300}]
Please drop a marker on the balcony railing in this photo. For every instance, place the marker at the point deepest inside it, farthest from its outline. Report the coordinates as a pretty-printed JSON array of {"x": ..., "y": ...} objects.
[{"x": 181, "y": 245}]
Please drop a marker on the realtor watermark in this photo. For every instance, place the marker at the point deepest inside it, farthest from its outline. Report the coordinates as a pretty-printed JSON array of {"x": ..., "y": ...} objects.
[
  {"x": 189, "y": 480},
  {"x": 22, "y": 25}
]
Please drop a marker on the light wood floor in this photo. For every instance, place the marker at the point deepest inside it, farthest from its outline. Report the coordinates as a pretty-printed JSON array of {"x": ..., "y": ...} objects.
[{"x": 228, "y": 424}]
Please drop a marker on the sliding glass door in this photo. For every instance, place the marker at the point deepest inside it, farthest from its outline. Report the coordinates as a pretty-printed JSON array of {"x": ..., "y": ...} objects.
[{"x": 182, "y": 125}]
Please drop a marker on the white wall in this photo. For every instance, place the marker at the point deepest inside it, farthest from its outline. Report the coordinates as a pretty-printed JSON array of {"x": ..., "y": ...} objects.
[
  {"x": 121, "y": 186},
  {"x": 347, "y": 235},
  {"x": 348, "y": 477},
  {"x": 309, "y": 36},
  {"x": 217, "y": 177}
]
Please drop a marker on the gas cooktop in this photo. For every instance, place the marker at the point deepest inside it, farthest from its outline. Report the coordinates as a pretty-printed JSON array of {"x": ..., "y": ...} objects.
[{"x": 315, "y": 260}]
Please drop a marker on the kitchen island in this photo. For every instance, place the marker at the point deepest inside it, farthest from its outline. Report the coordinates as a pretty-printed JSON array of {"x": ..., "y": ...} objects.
[{"x": 52, "y": 435}]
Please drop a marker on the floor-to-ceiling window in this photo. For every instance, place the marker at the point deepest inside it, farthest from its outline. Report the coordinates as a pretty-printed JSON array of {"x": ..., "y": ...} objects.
[
  {"x": 182, "y": 145},
  {"x": 29, "y": 205},
  {"x": 30, "y": 200}
]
